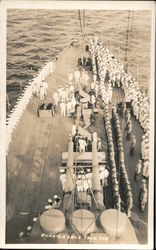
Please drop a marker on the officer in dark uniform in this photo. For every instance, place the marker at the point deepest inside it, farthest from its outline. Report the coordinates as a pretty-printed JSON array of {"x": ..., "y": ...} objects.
[{"x": 129, "y": 130}]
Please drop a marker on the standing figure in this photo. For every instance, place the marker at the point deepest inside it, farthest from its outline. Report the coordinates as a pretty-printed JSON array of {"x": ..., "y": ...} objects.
[
  {"x": 129, "y": 203},
  {"x": 143, "y": 199},
  {"x": 68, "y": 106},
  {"x": 145, "y": 171},
  {"x": 77, "y": 77},
  {"x": 63, "y": 108},
  {"x": 70, "y": 78},
  {"x": 99, "y": 145},
  {"x": 133, "y": 144},
  {"x": 129, "y": 130},
  {"x": 56, "y": 99},
  {"x": 45, "y": 87},
  {"x": 82, "y": 144},
  {"x": 138, "y": 170},
  {"x": 34, "y": 88},
  {"x": 96, "y": 89},
  {"x": 41, "y": 93},
  {"x": 93, "y": 100}
]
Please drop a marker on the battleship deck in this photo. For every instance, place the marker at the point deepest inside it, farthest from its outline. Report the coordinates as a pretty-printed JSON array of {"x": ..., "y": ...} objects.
[{"x": 35, "y": 157}]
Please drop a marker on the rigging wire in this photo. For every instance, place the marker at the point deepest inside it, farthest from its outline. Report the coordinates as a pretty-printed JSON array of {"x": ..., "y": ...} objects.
[
  {"x": 80, "y": 24},
  {"x": 82, "y": 27},
  {"x": 84, "y": 24},
  {"x": 127, "y": 39}
]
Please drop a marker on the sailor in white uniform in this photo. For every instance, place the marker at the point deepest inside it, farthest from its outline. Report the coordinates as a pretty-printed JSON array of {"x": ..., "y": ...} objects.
[
  {"x": 56, "y": 99},
  {"x": 41, "y": 93},
  {"x": 51, "y": 67},
  {"x": 96, "y": 89},
  {"x": 73, "y": 103},
  {"x": 92, "y": 86},
  {"x": 94, "y": 78},
  {"x": 68, "y": 106},
  {"x": 99, "y": 144},
  {"x": 138, "y": 170},
  {"x": 145, "y": 171},
  {"x": 79, "y": 184},
  {"x": 63, "y": 179},
  {"x": 95, "y": 137},
  {"x": 45, "y": 87},
  {"x": 73, "y": 130},
  {"x": 82, "y": 145},
  {"x": 70, "y": 78},
  {"x": 77, "y": 77},
  {"x": 93, "y": 100},
  {"x": 34, "y": 85},
  {"x": 63, "y": 108}
]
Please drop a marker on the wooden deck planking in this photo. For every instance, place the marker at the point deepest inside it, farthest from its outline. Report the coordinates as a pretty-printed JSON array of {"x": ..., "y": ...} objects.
[{"x": 36, "y": 147}]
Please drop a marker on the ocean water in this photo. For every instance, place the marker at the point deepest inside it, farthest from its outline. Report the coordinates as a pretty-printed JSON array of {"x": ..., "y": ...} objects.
[{"x": 35, "y": 36}]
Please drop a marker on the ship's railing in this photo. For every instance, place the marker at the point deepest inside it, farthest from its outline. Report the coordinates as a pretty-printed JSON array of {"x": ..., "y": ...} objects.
[{"x": 22, "y": 102}]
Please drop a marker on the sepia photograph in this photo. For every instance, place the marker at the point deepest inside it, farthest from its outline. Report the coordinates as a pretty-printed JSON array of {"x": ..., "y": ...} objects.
[{"x": 78, "y": 149}]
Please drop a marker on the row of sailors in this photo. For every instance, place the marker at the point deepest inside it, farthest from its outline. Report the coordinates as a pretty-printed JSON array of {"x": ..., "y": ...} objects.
[
  {"x": 68, "y": 107},
  {"x": 83, "y": 181},
  {"x": 133, "y": 93},
  {"x": 124, "y": 178},
  {"x": 115, "y": 184},
  {"x": 117, "y": 74},
  {"x": 17, "y": 112},
  {"x": 100, "y": 89},
  {"x": 123, "y": 173},
  {"x": 106, "y": 93},
  {"x": 63, "y": 93},
  {"x": 65, "y": 98},
  {"x": 140, "y": 104},
  {"x": 39, "y": 90},
  {"x": 80, "y": 77},
  {"x": 55, "y": 203},
  {"x": 81, "y": 142},
  {"x": 145, "y": 137},
  {"x": 39, "y": 85}
]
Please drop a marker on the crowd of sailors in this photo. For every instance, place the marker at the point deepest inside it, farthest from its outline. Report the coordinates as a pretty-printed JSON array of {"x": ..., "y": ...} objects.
[
  {"x": 83, "y": 178},
  {"x": 105, "y": 65},
  {"x": 37, "y": 84},
  {"x": 122, "y": 172}
]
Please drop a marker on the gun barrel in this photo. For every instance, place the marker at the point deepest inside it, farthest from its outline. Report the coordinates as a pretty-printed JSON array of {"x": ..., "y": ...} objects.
[{"x": 69, "y": 186}]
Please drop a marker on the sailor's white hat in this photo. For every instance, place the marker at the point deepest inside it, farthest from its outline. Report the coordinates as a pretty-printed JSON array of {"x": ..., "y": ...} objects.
[
  {"x": 21, "y": 234},
  {"x": 29, "y": 228}
]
